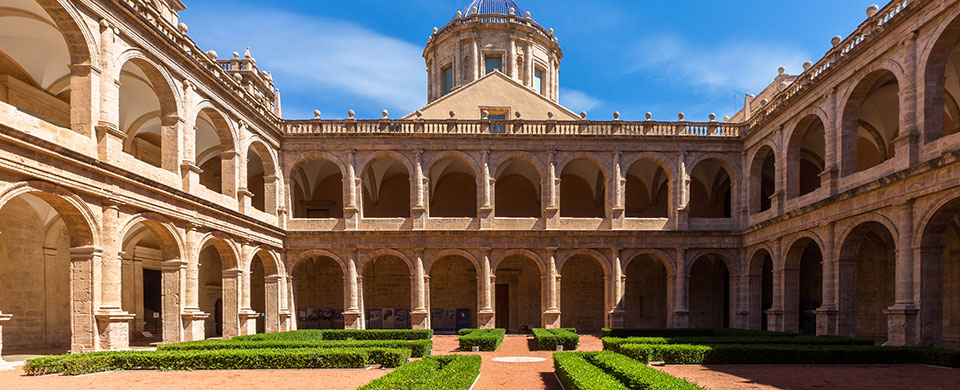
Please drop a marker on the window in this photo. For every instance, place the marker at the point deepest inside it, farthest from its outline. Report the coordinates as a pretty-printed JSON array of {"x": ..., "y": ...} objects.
[
  {"x": 538, "y": 80},
  {"x": 497, "y": 127},
  {"x": 493, "y": 63},
  {"x": 447, "y": 80}
]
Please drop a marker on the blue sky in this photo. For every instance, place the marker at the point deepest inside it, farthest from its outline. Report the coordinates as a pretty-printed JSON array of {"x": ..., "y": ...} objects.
[{"x": 665, "y": 57}]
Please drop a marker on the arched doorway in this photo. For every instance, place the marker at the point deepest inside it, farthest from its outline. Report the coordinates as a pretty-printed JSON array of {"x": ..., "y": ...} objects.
[
  {"x": 709, "y": 293},
  {"x": 517, "y": 294},
  {"x": 582, "y": 302},
  {"x": 210, "y": 283},
  {"x": 150, "y": 256},
  {"x": 645, "y": 294},
  {"x": 940, "y": 275},
  {"x": 867, "y": 268},
  {"x": 761, "y": 287},
  {"x": 261, "y": 178},
  {"x": 517, "y": 192},
  {"x": 453, "y": 294},
  {"x": 803, "y": 286},
  {"x": 319, "y": 293},
  {"x": 387, "y": 294}
]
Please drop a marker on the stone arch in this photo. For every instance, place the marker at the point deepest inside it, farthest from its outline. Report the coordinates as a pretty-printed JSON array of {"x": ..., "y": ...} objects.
[
  {"x": 518, "y": 300},
  {"x": 162, "y": 228},
  {"x": 861, "y": 129},
  {"x": 938, "y": 80},
  {"x": 711, "y": 292},
  {"x": 582, "y": 289},
  {"x": 454, "y": 178},
  {"x": 712, "y": 193},
  {"x": 664, "y": 258},
  {"x": 149, "y": 110},
  {"x": 596, "y": 255},
  {"x": 802, "y": 283},
  {"x": 760, "y": 282},
  {"x": 261, "y": 179},
  {"x": 84, "y": 228},
  {"x": 395, "y": 179},
  {"x": 229, "y": 253},
  {"x": 519, "y": 180},
  {"x": 648, "y": 294},
  {"x": 850, "y": 224},
  {"x": 215, "y": 148},
  {"x": 659, "y": 196},
  {"x": 437, "y": 256},
  {"x": 388, "y": 288},
  {"x": 79, "y": 39},
  {"x": 866, "y": 267},
  {"x": 454, "y": 282},
  {"x": 371, "y": 256},
  {"x": 159, "y": 77},
  {"x": 938, "y": 239},
  {"x": 264, "y": 281},
  {"x": 318, "y": 186},
  {"x": 806, "y": 153},
  {"x": 583, "y": 191},
  {"x": 763, "y": 177},
  {"x": 319, "y": 278},
  {"x": 213, "y": 269},
  {"x": 308, "y": 254},
  {"x": 523, "y": 253}
]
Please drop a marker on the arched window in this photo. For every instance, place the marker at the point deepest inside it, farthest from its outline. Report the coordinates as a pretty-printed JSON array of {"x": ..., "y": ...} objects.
[
  {"x": 648, "y": 190},
  {"x": 517, "y": 192},
  {"x": 871, "y": 121},
  {"x": 453, "y": 189},
  {"x": 805, "y": 157},
  {"x": 763, "y": 183},
  {"x": 582, "y": 190},
  {"x": 317, "y": 190},
  {"x": 710, "y": 191},
  {"x": 386, "y": 189}
]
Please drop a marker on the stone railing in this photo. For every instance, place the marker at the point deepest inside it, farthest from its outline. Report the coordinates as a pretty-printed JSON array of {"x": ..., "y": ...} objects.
[
  {"x": 177, "y": 37},
  {"x": 879, "y": 21},
  {"x": 511, "y": 127},
  {"x": 493, "y": 18}
]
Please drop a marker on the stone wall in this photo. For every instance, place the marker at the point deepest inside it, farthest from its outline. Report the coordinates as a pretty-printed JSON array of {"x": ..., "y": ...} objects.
[{"x": 581, "y": 294}]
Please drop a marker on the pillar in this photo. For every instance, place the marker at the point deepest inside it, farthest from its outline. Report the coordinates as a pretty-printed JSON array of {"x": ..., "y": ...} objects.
[
  {"x": 486, "y": 315},
  {"x": 351, "y": 209},
  {"x": 109, "y": 137},
  {"x": 173, "y": 273},
  {"x": 352, "y": 318},
  {"x": 528, "y": 64},
  {"x": 229, "y": 171},
  {"x": 112, "y": 322},
  {"x": 84, "y": 86},
  {"x": 618, "y": 182},
  {"x": 3, "y": 318},
  {"x": 681, "y": 193},
  {"x": 510, "y": 63},
  {"x": 84, "y": 330},
  {"x": 193, "y": 319},
  {"x": 907, "y": 144},
  {"x": 775, "y": 315},
  {"x": 170, "y": 143},
  {"x": 827, "y": 312},
  {"x": 618, "y": 280},
  {"x": 551, "y": 316},
  {"x": 419, "y": 212},
  {"x": 552, "y": 210},
  {"x": 486, "y": 189},
  {"x": 271, "y": 285},
  {"x": 681, "y": 282},
  {"x": 419, "y": 317},
  {"x": 902, "y": 317},
  {"x": 231, "y": 302}
]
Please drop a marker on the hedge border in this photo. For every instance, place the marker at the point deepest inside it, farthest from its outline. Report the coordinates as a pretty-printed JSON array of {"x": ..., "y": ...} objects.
[
  {"x": 418, "y": 348},
  {"x": 343, "y": 334},
  {"x": 449, "y": 372},
  {"x": 487, "y": 339},
  {"x": 548, "y": 339},
  {"x": 789, "y": 354},
  {"x": 690, "y": 332},
  {"x": 609, "y": 343},
  {"x": 637, "y": 375},
  {"x": 576, "y": 373}
]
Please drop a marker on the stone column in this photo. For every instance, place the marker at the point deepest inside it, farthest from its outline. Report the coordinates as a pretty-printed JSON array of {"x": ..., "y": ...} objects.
[
  {"x": 775, "y": 315},
  {"x": 681, "y": 193},
  {"x": 827, "y": 312},
  {"x": 84, "y": 330},
  {"x": 229, "y": 171},
  {"x": 486, "y": 191},
  {"x": 271, "y": 285},
  {"x": 193, "y": 319},
  {"x": 618, "y": 196},
  {"x": 352, "y": 318},
  {"x": 112, "y": 322},
  {"x": 475, "y": 57},
  {"x": 528, "y": 64},
  {"x": 830, "y": 176},
  {"x": 907, "y": 144},
  {"x": 509, "y": 63},
  {"x": 173, "y": 272},
  {"x": 617, "y": 290},
  {"x": 231, "y": 302},
  {"x": 419, "y": 315},
  {"x": 419, "y": 212},
  {"x": 551, "y": 316},
  {"x": 170, "y": 143},
  {"x": 551, "y": 212},
  {"x": 3, "y": 318},
  {"x": 85, "y": 84},
  {"x": 902, "y": 317},
  {"x": 681, "y": 315},
  {"x": 351, "y": 209},
  {"x": 486, "y": 315},
  {"x": 109, "y": 136}
]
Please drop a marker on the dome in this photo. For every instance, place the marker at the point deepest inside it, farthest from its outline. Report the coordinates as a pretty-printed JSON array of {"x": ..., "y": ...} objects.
[{"x": 501, "y": 7}]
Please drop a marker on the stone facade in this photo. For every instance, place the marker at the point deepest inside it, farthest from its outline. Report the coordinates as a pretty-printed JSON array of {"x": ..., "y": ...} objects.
[{"x": 174, "y": 187}]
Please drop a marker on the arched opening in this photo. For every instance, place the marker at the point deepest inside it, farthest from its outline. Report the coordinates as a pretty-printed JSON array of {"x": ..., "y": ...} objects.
[
  {"x": 214, "y": 151},
  {"x": 34, "y": 63},
  {"x": 453, "y": 294},
  {"x": 709, "y": 293},
  {"x": 761, "y": 287},
  {"x": 256, "y": 177},
  {"x": 763, "y": 183},
  {"x": 942, "y": 85},
  {"x": 647, "y": 191},
  {"x": 710, "y": 191},
  {"x": 317, "y": 190},
  {"x": 582, "y": 190},
  {"x": 35, "y": 273},
  {"x": 386, "y": 293},
  {"x": 940, "y": 275},
  {"x": 871, "y": 121},
  {"x": 210, "y": 283},
  {"x": 867, "y": 267},
  {"x": 517, "y": 193},
  {"x": 805, "y": 157},
  {"x": 803, "y": 286},
  {"x": 258, "y": 293},
  {"x": 645, "y": 293},
  {"x": 386, "y": 189},
  {"x": 518, "y": 294},
  {"x": 318, "y": 290},
  {"x": 264, "y": 290},
  {"x": 581, "y": 294},
  {"x": 146, "y": 285},
  {"x": 144, "y": 116},
  {"x": 453, "y": 189}
]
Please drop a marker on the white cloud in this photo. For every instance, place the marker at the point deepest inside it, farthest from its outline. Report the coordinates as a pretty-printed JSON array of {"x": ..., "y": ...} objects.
[
  {"x": 742, "y": 65},
  {"x": 311, "y": 54},
  {"x": 578, "y": 100}
]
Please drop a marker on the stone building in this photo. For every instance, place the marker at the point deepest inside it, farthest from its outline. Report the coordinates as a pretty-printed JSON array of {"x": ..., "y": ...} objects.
[{"x": 151, "y": 191}]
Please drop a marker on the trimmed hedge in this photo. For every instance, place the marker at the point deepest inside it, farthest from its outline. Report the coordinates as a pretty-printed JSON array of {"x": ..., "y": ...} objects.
[
  {"x": 451, "y": 372},
  {"x": 418, "y": 348},
  {"x": 691, "y": 332},
  {"x": 636, "y": 375},
  {"x": 343, "y": 334},
  {"x": 789, "y": 354},
  {"x": 486, "y": 339},
  {"x": 610, "y": 343},
  {"x": 231, "y": 359},
  {"x": 548, "y": 339},
  {"x": 466, "y": 331},
  {"x": 576, "y": 373}
]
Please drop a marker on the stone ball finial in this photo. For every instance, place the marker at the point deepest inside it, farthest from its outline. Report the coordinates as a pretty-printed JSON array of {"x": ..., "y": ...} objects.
[
  {"x": 712, "y": 117},
  {"x": 484, "y": 114},
  {"x": 680, "y": 116},
  {"x": 513, "y": 11},
  {"x": 316, "y": 114},
  {"x": 648, "y": 115},
  {"x": 763, "y": 102},
  {"x": 550, "y": 114},
  {"x": 551, "y": 30},
  {"x": 459, "y": 14},
  {"x": 835, "y": 41},
  {"x": 583, "y": 115},
  {"x": 807, "y": 65},
  {"x": 475, "y": 10},
  {"x": 784, "y": 85},
  {"x": 351, "y": 114},
  {"x": 183, "y": 28},
  {"x": 435, "y": 30},
  {"x": 236, "y": 55},
  {"x": 238, "y": 76},
  {"x": 212, "y": 54},
  {"x": 385, "y": 114},
  {"x": 528, "y": 15},
  {"x": 781, "y": 69},
  {"x": 726, "y": 119},
  {"x": 517, "y": 114},
  {"x": 872, "y": 10},
  {"x": 616, "y": 115},
  {"x": 453, "y": 113}
]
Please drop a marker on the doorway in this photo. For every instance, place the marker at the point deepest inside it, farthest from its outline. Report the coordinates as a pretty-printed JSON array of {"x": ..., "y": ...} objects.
[{"x": 503, "y": 306}]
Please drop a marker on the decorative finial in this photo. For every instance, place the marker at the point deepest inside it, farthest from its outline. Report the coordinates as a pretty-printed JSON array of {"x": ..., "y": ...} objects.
[
  {"x": 351, "y": 114},
  {"x": 648, "y": 115},
  {"x": 836, "y": 41},
  {"x": 419, "y": 114},
  {"x": 236, "y": 55},
  {"x": 726, "y": 119},
  {"x": 459, "y": 14},
  {"x": 807, "y": 65},
  {"x": 528, "y": 15},
  {"x": 316, "y": 114},
  {"x": 212, "y": 54},
  {"x": 183, "y": 28},
  {"x": 246, "y": 53},
  {"x": 513, "y": 11},
  {"x": 763, "y": 102},
  {"x": 453, "y": 113},
  {"x": 550, "y": 114},
  {"x": 385, "y": 114},
  {"x": 713, "y": 117},
  {"x": 475, "y": 10},
  {"x": 781, "y": 69},
  {"x": 517, "y": 114},
  {"x": 680, "y": 117},
  {"x": 616, "y": 115},
  {"x": 551, "y": 30},
  {"x": 784, "y": 85},
  {"x": 872, "y": 10},
  {"x": 583, "y": 115},
  {"x": 435, "y": 30},
  {"x": 484, "y": 114}
]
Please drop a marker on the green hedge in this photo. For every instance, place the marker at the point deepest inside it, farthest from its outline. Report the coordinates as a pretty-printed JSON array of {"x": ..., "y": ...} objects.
[
  {"x": 610, "y": 343},
  {"x": 418, "y": 348},
  {"x": 690, "y": 332},
  {"x": 789, "y": 354},
  {"x": 548, "y": 339},
  {"x": 486, "y": 339},
  {"x": 466, "y": 331},
  {"x": 231, "y": 359},
  {"x": 636, "y": 375},
  {"x": 452, "y": 372},
  {"x": 576, "y": 373},
  {"x": 343, "y": 334}
]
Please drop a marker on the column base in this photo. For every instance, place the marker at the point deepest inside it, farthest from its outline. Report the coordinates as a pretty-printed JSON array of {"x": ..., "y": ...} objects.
[
  {"x": 352, "y": 320},
  {"x": 114, "y": 330},
  {"x": 248, "y": 322},
  {"x": 774, "y": 320},
  {"x": 551, "y": 319},
  {"x": 617, "y": 318},
  {"x": 486, "y": 319},
  {"x": 827, "y": 321},
  {"x": 902, "y": 325},
  {"x": 194, "y": 325},
  {"x": 681, "y": 319},
  {"x": 743, "y": 319},
  {"x": 418, "y": 319},
  {"x": 3, "y": 317}
]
